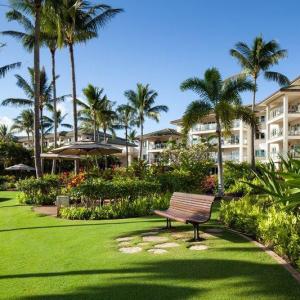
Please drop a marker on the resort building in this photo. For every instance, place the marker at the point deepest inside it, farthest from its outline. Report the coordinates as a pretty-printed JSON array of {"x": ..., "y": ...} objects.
[
  {"x": 279, "y": 128},
  {"x": 67, "y": 137},
  {"x": 155, "y": 142}
]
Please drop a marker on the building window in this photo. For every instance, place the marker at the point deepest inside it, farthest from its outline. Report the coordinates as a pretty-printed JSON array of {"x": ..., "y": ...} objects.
[
  {"x": 144, "y": 143},
  {"x": 260, "y": 135},
  {"x": 260, "y": 153},
  {"x": 145, "y": 157}
]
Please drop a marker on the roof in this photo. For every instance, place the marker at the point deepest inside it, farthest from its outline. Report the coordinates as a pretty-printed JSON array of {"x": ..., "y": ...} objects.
[
  {"x": 291, "y": 87},
  {"x": 111, "y": 140},
  {"x": 162, "y": 132}
]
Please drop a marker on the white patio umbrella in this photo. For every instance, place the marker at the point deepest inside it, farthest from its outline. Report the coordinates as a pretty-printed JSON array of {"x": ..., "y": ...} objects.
[{"x": 20, "y": 167}]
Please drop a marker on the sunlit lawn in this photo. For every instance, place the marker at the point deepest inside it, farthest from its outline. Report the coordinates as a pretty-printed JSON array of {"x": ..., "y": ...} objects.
[{"x": 48, "y": 258}]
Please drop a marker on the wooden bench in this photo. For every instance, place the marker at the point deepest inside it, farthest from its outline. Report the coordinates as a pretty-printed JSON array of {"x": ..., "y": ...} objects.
[{"x": 188, "y": 208}]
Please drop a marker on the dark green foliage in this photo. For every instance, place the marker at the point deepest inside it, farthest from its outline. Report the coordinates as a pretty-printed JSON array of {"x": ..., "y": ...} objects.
[
  {"x": 141, "y": 206},
  {"x": 12, "y": 153}
]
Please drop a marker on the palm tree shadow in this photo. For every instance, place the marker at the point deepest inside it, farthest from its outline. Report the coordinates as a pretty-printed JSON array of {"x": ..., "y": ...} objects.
[{"x": 162, "y": 279}]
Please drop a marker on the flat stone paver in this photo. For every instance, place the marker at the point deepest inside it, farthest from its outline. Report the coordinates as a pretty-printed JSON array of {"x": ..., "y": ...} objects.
[
  {"x": 167, "y": 245},
  {"x": 153, "y": 238},
  {"x": 198, "y": 247},
  {"x": 130, "y": 250},
  {"x": 185, "y": 235},
  {"x": 125, "y": 239},
  {"x": 122, "y": 244},
  {"x": 157, "y": 251},
  {"x": 49, "y": 210},
  {"x": 142, "y": 244}
]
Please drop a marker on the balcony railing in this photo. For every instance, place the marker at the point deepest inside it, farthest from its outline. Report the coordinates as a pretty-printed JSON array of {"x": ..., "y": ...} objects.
[
  {"x": 204, "y": 127},
  {"x": 276, "y": 133},
  {"x": 235, "y": 141},
  {"x": 157, "y": 146},
  {"x": 275, "y": 112},
  {"x": 294, "y": 108},
  {"x": 294, "y": 132}
]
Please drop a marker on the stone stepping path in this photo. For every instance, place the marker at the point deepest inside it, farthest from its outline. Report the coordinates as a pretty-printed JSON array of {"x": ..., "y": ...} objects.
[
  {"x": 157, "y": 251},
  {"x": 125, "y": 239},
  {"x": 122, "y": 244},
  {"x": 153, "y": 238},
  {"x": 130, "y": 250},
  {"x": 142, "y": 244},
  {"x": 167, "y": 245},
  {"x": 198, "y": 247}
]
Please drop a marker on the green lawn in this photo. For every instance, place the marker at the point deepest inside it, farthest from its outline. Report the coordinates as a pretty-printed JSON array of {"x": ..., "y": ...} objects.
[{"x": 48, "y": 258}]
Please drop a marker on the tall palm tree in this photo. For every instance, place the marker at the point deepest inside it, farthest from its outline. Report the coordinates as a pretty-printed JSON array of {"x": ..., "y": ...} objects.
[
  {"x": 24, "y": 122},
  {"x": 48, "y": 38},
  {"x": 257, "y": 59},
  {"x": 142, "y": 100},
  {"x": 77, "y": 22},
  {"x": 6, "y": 134},
  {"x": 126, "y": 119},
  {"x": 221, "y": 97},
  {"x": 6, "y": 68},
  {"x": 28, "y": 87},
  {"x": 94, "y": 103},
  {"x": 33, "y": 7}
]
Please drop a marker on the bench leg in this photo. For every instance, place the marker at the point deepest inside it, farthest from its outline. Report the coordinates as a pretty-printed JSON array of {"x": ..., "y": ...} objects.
[
  {"x": 196, "y": 232},
  {"x": 168, "y": 224}
]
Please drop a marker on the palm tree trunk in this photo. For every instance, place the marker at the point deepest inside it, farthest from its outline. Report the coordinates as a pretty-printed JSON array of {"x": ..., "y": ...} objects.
[
  {"x": 253, "y": 133},
  {"x": 71, "y": 50},
  {"x": 37, "y": 145},
  {"x": 126, "y": 141},
  {"x": 95, "y": 131},
  {"x": 42, "y": 137},
  {"x": 141, "y": 140},
  {"x": 105, "y": 156},
  {"x": 220, "y": 161},
  {"x": 52, "y": 51}
]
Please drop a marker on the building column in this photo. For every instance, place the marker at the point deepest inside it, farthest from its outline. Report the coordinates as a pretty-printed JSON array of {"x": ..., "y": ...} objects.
[
  {"x": 285, "y": 133},
  {"x": 241, "y": 153},
  {"x": 267, "y": 132}
]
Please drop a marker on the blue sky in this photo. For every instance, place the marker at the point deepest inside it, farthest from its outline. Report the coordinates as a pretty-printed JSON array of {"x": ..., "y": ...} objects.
[{"x": 163, "y": 42}]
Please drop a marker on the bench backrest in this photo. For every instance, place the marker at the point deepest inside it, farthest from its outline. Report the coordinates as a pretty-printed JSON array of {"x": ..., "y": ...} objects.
[{"x": 192, "y": 203}]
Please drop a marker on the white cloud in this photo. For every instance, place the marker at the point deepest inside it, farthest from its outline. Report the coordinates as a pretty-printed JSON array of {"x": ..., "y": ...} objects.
[{"x": 6, "y": 121}]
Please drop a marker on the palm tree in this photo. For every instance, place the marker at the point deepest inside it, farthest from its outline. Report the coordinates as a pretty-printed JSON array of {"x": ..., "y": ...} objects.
[
  {"x": 5, "y": 134},
  {"x": 48, "y": 37},
  {"x": 90, "y": 109},
  {"x": 24, "y": 122},
  {"x": 77, "y": 22},
  {"x": 28, "y": 87},
  {"x": 132, "y": 136},
  {"x": 256, "y": 60},
  {"x": 6, "y": 68},
  {"x": 49, "y": 122},
  {"x": 221, "y": 97},
  {"x": 126, "y": 119},
  {"x": 33, "y": 7},
  {"x": 142, "y": 100}
]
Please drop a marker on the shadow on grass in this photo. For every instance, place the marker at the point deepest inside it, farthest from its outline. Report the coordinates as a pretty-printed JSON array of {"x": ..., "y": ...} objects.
[
  {"x": 259, "y": 279},
  {"x": 78, "y": 225},
  {"x": 3, "y": 199}
]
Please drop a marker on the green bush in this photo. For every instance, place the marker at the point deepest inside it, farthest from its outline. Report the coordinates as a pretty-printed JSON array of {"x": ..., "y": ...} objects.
[
  {"x": 274, "y": 227},
  {"x": 98, "y": 189},
  {"x": 139, "y": 207},
  {"x": 41, "y": 191},
  {"x": 179, "y": 181},
  {"x": 7, "y": 182}
]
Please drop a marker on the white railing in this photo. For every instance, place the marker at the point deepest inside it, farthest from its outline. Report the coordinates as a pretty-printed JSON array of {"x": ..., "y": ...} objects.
[
  {"x": 294, "y": 108},
  {"x": 157, "y": 146},
  {"x": 275, "y": 112},
  {"x": 276, "y": 133}
]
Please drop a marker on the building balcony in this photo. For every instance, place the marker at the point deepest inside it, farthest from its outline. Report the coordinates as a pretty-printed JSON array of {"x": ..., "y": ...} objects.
[
  {"x": 276, "y": 112},
  {"x": 276, "y": 133},
  {"x": 205, "y": 127},
  {"x": 157, "y": 146},
  {"x": 294, "y": 108}
]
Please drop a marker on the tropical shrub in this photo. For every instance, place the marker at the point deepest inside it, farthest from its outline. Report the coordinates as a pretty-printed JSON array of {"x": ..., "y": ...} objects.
[
  {"x": 178, "y": 181},
  {"x": 39, "y": 191},
  {"x": 141, "y": 206},
  {"x": 7, "y": 182},
  {"x": 267, "y": 222},
  {"x": 98, "y": 189}
]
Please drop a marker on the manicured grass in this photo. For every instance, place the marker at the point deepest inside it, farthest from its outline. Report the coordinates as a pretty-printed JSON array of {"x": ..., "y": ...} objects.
[{"x": 48, "y": 258}]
